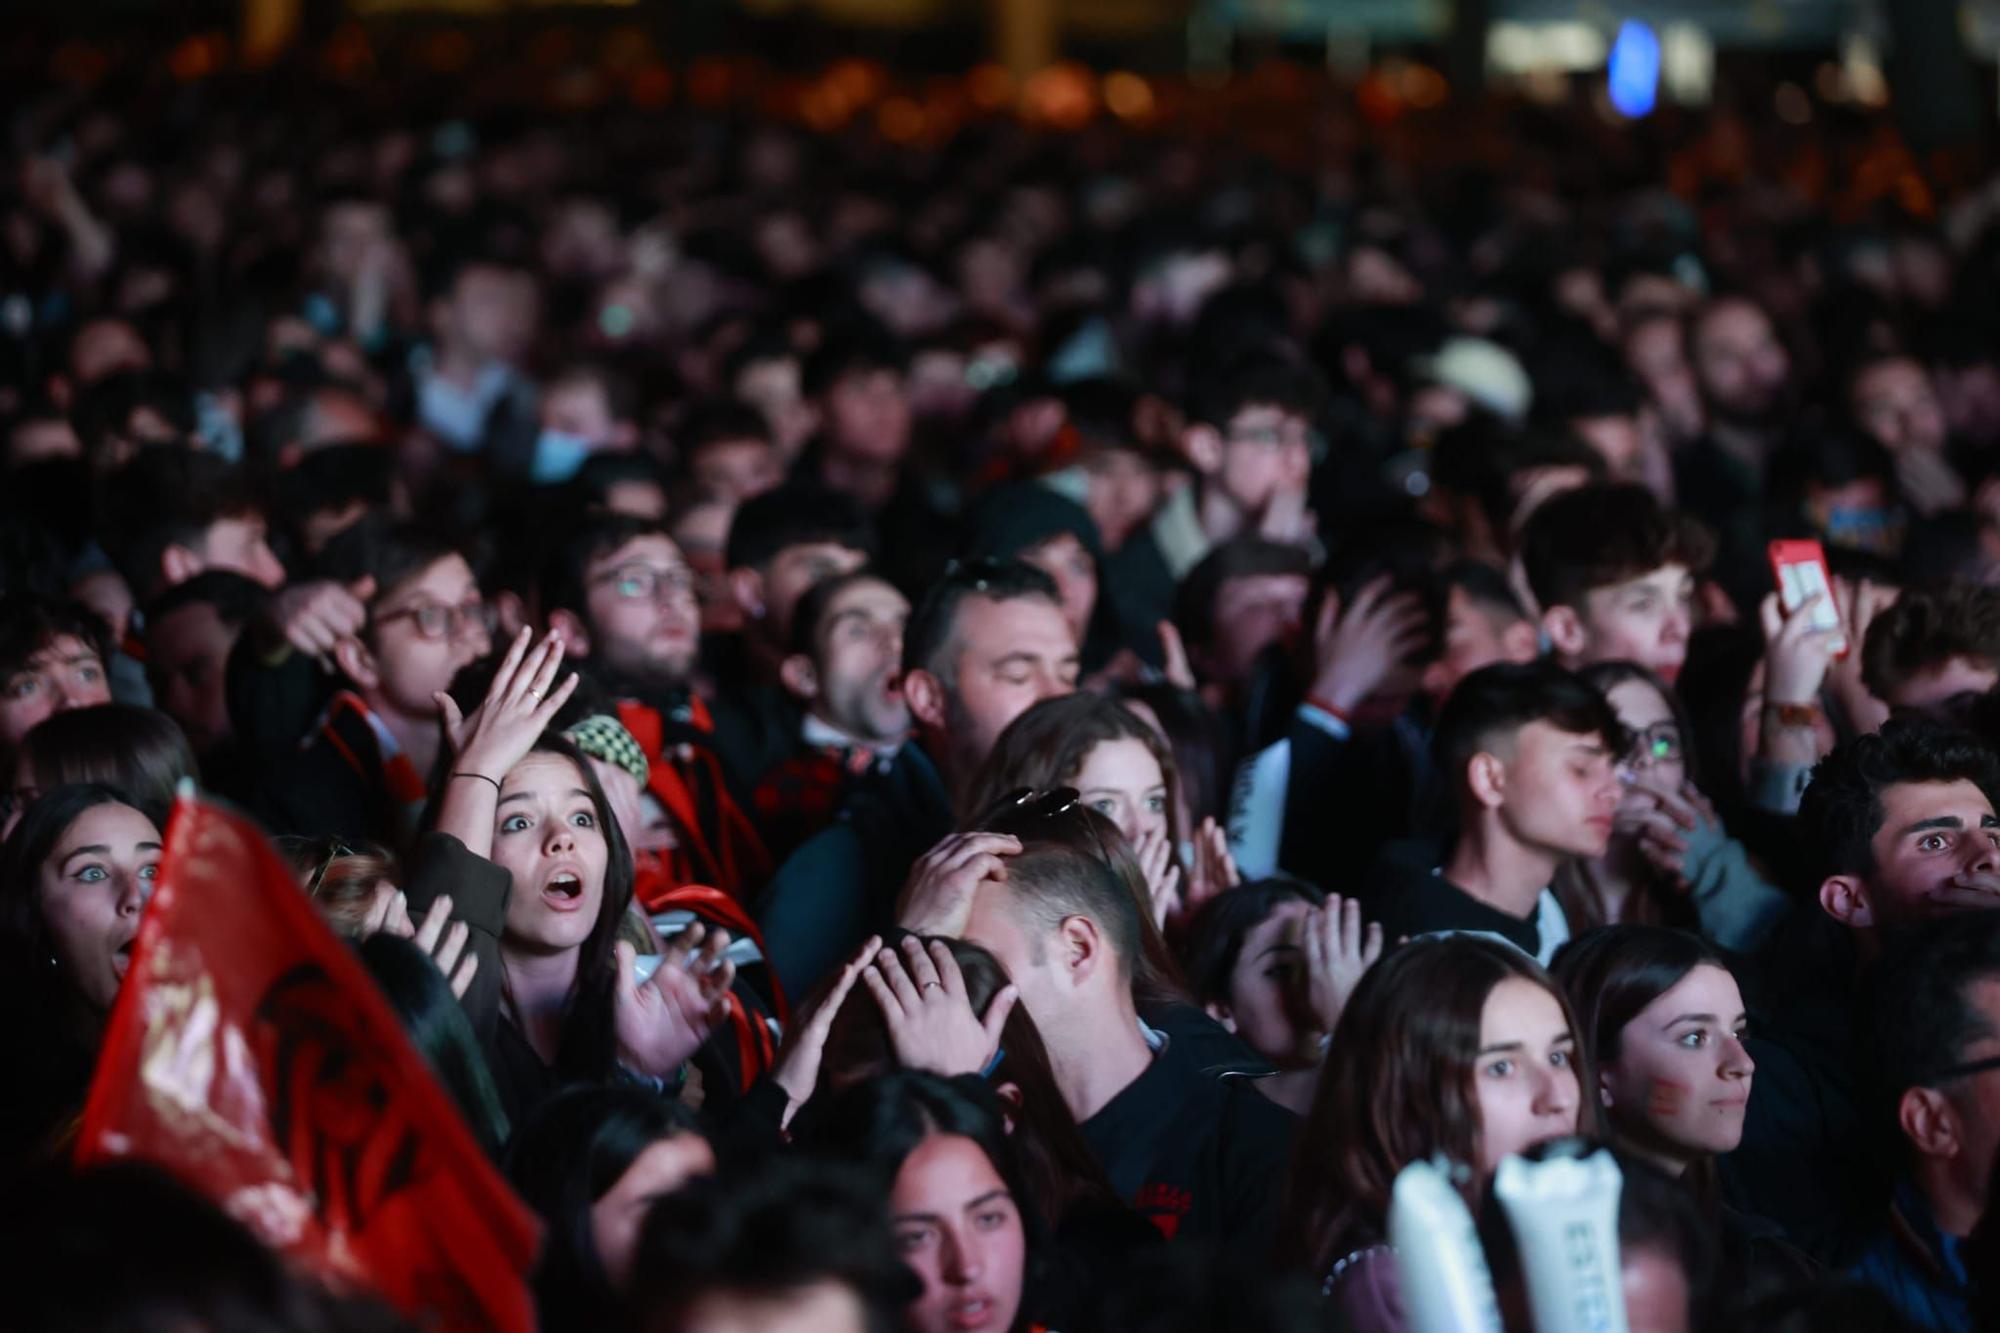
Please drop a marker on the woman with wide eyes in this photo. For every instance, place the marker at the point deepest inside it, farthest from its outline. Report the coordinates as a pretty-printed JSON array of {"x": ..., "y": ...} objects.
[
  {"x": 528, "y": 848},
  {"x": 75, "y": 876},
  {"x": 1666, "y": 1024},
  {"x": 1455, "y": 1045},
  {"x": 962, "y": 1222}
]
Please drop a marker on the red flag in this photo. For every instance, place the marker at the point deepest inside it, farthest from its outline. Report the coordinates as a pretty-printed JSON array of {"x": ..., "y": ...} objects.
[{"x": 250, "y": 1054}]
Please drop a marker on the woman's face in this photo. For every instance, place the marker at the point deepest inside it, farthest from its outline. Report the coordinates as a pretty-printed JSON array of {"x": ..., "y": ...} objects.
[
  {"x": 1266, "y": 991},
  {"x": 1122, "y": 781},
  {"x": 546, "y": 834},
  {"x": 615, "y": 1218},
  {"x": 1067, "y": 561},
  {"x": 93, "y": 887},
  {"x": 1658, "y": 753},
  {"x": 957, "y": 1227},
  {"x": 1682, "y": 1077},
  {"x": 1525, "y": 1076}
]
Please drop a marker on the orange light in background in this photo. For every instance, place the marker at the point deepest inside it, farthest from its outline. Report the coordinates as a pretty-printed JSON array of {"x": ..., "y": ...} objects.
[
  {"x": 348, "y": 55},
  {"x": 550, "y": 47},
  {"x": 268, "y": 28},
  {"x": 710, "y": 82},
  {"x": 860, "y": 82},
  {"x": 651, "y": 87},
  {"x": 74, "y": 62},
  {"x": 1377, "y": 99},
  {"x": 1422, "y": 87},
  {"x": 626, "y": 49},
  {"x": 990, "y": 86},
  {"x": 901, "y": 120},
  {"x": 1062, "y": 96},
  {"x": 446, "y": 51},
  {"x": 198, "y": 56},
  {"x": 1127, "y": 95}
]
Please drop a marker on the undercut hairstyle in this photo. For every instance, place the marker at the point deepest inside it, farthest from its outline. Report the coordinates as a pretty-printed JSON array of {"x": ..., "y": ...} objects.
[
  {"x": 1215, "y": 935},
  {"x": 1047, "y": 885},
  {"x": 1484, "y": 585},
  {"x": 1841, "y": 810},
  {"x": 167, "y": 495},
  {"x": 234, "y": 596},
  {"x": 930, "y": 640},
  {"x": 770, "y": 1231},
  {"x": 1922, "y": 1017},
  {"x": 1924, "y": 630},
  {"x": 1490, "y": 706},
  {"x": 1237, "y": 558},
  {"x": 30, "y": 624},
  {"x": 388, "y": 550},
  {"x": 565, "y": 579},
  {"x": 796, "y": 514},
  {"x": 1597, "y": 536},
  {"x": 1218, "y": 394}
]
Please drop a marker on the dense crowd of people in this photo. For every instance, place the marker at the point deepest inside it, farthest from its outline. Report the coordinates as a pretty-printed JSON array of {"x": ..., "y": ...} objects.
[{"x": 998, "y": 733}]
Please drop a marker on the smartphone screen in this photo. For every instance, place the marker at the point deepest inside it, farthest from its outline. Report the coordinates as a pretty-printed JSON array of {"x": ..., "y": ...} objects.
[{"x": 1799, "y": 568}]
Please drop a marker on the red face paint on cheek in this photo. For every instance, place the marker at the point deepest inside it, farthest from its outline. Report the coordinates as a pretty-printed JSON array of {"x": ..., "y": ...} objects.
[{"x": 1666, "y": 1099}]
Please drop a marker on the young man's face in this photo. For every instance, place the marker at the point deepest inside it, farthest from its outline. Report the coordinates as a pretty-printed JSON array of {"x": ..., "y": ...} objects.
[
  {"x": 1123, "y": 492},
  {"x": 1937, "y": 852},
  {"x": 241, "y": 544},
  {"x": 1475, "y": 636},
  {"x": 860, "y": 660},
  {"x": 1561, "y": 790},
  {"x": 579, "y": 406},
  {"x": 65, "y": 673},
  {"x": 1251, "y": 614},
  {"x": 422, "y": 632},
  {"x": 1011, "y": 655},
  {"x": 187, "y": 655},
  {"x": 644, "y": 621},
  {"x": 736, "y": 470},
  {"x": 1894, "y": 402},
  {"x": 1740, "y": 364},
  {"x": 868, "y": 414},
  {"x": 1938, "y": 689},
  {"x": 1266, "y": 452},
  {"x": 1645, "y": 620},
  {"x": 1976, "y": 1097}
]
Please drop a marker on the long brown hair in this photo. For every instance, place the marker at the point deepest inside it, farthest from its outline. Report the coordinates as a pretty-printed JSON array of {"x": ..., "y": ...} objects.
[
  {"x": 1056, "y": 1161},
  {"x": 1048, "y": 745},
  {"x": 1398, "y": 1087}
]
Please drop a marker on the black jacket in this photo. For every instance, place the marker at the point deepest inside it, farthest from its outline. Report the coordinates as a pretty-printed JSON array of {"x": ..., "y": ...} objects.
[{"x": 841, "y": 884}]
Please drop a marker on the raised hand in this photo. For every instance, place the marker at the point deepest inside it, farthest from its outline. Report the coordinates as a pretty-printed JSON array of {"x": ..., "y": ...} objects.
[
  {"x": 314, "y": 617},
  {"x": 444, "y": 940},
  {"x": 1359, "y": 648},
  {"x": 1796, "y": 655},
  {"x": 1338, "y": 951},
  {"x": 518, "y": 707},
  {"x": 1214, "y": 870},
  {"x": 1155, "y": 853},
  {"x": 931, "y": 1023},
  {"x": 1175, "y": 667},
  {"x": 937, "y": 896},
  {"x": 797, "y": 1068},
  {"x": 665, "y": 1019}
]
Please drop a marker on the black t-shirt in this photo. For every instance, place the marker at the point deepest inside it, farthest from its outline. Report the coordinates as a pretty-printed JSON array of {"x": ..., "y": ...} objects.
[
  {"x": 1409, "y": 898},
  {"x": 1197, "y": 1155}
]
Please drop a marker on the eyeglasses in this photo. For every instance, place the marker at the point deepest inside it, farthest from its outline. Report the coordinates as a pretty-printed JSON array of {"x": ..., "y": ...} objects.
[
  {"x": 649, "y": 583},
  {"x": 1966, "y": 1070},
  {"x": 1030, "y": 803},
  {"x": 336, "y": 851},
  {"x": 435, "y": 620},
  {"x": 1657, "y": 744}
]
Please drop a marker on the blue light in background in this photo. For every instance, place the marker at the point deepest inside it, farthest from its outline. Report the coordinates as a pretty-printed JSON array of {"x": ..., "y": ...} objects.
[{"x": 1635, "y": 68}]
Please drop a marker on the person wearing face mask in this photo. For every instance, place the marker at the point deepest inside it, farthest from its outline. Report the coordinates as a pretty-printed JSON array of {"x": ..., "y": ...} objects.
[
  {"x": 75, "y": 875},
  {"x": 529, "y": 849},
  {"x": 590, "y": 1163},
  {"x": 1459, "y": 1046},
  {"x": 586, "y": 410}
]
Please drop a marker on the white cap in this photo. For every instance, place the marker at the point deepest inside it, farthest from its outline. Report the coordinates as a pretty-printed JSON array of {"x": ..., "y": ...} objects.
[{"x": 1483, "y": 371}]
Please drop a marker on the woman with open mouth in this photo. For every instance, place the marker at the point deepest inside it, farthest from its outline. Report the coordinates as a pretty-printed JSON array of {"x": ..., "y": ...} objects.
[
  {"x": 529, "y": 849},
  {"x": 75, "y": 875}
]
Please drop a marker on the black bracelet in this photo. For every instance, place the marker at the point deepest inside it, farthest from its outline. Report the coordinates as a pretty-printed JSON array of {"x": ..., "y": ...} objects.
[{"x": 482, "y": 777}]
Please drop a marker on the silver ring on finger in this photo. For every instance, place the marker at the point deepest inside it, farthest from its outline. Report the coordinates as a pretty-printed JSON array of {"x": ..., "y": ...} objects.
[
  {"x": 928, "y": 984},
  {"x": 536, "y": 693}
]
